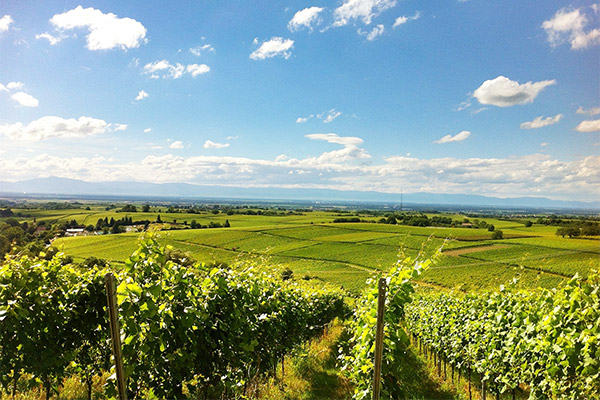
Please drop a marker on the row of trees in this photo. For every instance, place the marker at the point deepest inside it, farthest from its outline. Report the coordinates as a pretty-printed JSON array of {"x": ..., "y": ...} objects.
[{"x": 581, "y": 229}]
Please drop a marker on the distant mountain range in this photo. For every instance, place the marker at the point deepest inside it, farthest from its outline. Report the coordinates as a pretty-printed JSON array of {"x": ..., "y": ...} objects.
[{"x": 62, "y": 186}]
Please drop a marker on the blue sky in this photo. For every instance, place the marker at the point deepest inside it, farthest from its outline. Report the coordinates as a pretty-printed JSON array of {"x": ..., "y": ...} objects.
[{"x": 477, "y": 97}]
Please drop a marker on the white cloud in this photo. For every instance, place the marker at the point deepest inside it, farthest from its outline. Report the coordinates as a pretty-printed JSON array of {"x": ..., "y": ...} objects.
[
  {"x": 141, "y": 95},
  {"x": 589, "y": 111},
  {"x": 463, "y": 105},
  {"x": 55, "y": 127},
  {"x": 197, "y": 69},
  {"x": 568, "y": 26},
  {"x": 25, "y": 100},
  {"x": 11, "y": 86},
  {"x": 301, "y": 120},
  {"x": 178, "y": 144},
  {"x": 375, "y": 32},
  {"x": 528, "y": 175},
  {"x": 120, "y": 127},
  {"x": 365, "y": 10},
  {"x": 305, "y": 18},
  {"x": 52, "y": 39},
  {"x": 147, "y": 130},
  {"x": 5, "y": 22},
  {"x": 403, "y": 20},
  {"x": 459, "y": 137},
  {"x": 209, "y": 144},
  {"x": 105, "y": 31},
  {"x": 540, "y": 122},
  {"x": 589, "y": 126},
  {"x": 164, "y": 69},
  {"x": 329, "y": 116},
  {"x": 503, "y": 92},
  {"x": 346, "y": 141},
  {"x": 273, "y": 47},
  {"x": 199, "y": 50}
]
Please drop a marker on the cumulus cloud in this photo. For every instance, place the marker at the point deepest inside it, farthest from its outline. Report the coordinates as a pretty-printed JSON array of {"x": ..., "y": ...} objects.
[
  {"x": 305, "y": 18},
  {"x": 363, "y": 10},
  {"x": 178, "y": 144},
  {"x": 120, "y": 127},
  {"x": 14, "y": 85},
  {"x": 569, "y": 26},
  {"x": 528, "y": 175},
  {"x": 403, "y": 20},
  {"x": 56, "y": 127},
  {"x": 147, "y": 130},
  {"x": 197, "y": 69},
  {"x": 164, "y": 69},
  {"x": 349, "y": 153},
  {"x": 503, "y": 92},
  {"x": 540, "y": 122},
  {"x": 199, "y": 50},
  {"x": 52, "y": 39},
  {"x": 25, "y": 100},
  {"x": 105, "y": 31},
  {"x": 589, "y": 126},
  {"x": 274, "y": 47},
  {"x": 141, "y": 95},
  {"x": 374, "y": 33},
  {"x": 459, "y": 137},
  {"x": 345, "y": 141},
  {"x": 5, "y": 22},
  {"x": 589, "y": 111},
  {"x": 209, "y": 144}
]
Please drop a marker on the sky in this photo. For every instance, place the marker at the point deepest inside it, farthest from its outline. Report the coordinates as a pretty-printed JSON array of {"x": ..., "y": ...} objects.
[{"x": 445, "y": 96}]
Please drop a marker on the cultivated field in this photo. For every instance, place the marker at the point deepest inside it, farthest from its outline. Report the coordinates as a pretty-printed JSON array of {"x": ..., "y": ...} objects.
[{"x": 348, "y": 253}]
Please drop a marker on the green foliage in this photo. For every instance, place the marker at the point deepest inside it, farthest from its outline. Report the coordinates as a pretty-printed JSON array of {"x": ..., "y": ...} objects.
[
  {"x": 209, "y": 328},
  {"x": 51, "y": 316},
  {"x": 358, "y": 364},
  {"x": 215, "y": 328},
  {"x": 548, "y": 340},
  {"x": 498, "y": 234}
]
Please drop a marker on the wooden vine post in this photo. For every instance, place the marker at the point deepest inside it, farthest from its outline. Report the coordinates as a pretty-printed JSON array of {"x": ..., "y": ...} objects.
[
  {"x": 115, "y": 333},
  {"x": 379, "y": 339}
]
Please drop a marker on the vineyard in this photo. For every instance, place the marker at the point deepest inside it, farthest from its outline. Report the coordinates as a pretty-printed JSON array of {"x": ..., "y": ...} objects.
[
  {"x": 206, "y": 332},
  {"x": 547, "y": 341},
  {"x": 202, "y": 329}
]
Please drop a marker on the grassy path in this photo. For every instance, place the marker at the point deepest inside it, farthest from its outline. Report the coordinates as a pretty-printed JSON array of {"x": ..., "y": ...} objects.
[{"x": 313, "y": 374}]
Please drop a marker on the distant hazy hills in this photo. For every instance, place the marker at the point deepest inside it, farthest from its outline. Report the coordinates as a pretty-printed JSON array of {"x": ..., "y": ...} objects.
[{"x": 62, "y": 186}]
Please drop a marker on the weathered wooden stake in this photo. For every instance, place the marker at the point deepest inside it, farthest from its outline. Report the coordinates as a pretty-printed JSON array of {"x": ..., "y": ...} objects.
[
  {"x": 469, "y": 380},
  {"x": 379, "y": 339},
  {"x": 483, "y": 389},
  {"x": 115, "y": 333}
]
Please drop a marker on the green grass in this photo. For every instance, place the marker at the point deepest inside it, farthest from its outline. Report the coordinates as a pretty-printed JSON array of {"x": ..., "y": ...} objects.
[{"x": 346, "y": 254}]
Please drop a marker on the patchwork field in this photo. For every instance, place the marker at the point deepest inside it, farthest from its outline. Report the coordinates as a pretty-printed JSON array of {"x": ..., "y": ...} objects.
[{"x": 348, "y": 253}]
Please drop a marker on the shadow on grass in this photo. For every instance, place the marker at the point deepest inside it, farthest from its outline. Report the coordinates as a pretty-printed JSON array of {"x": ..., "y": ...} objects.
[{"x": 415, "y": 379}]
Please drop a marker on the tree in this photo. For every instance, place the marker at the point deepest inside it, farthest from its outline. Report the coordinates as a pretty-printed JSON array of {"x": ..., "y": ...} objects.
[
  {"x": 226, "y": 224},
  {"x": 158, "y": 219},
  {"x": 528, "y": 224},
  {"x": 146, "y": 208},
  {"x": 491, "y": 227},
  {"x": 497, "y": 235}
]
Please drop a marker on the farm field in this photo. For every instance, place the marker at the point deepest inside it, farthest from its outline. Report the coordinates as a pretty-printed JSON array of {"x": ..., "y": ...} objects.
[{"x": 348, "y": 253}]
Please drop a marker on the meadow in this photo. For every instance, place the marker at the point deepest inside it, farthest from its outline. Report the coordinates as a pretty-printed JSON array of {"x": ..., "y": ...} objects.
[{"x": 348, "y": 253}]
